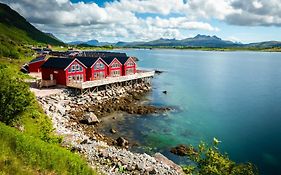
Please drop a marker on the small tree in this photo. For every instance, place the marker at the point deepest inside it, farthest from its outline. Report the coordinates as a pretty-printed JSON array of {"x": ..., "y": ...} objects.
[
  {"x": 15, "y": 95},
  {"x": 208, "y": 160}
]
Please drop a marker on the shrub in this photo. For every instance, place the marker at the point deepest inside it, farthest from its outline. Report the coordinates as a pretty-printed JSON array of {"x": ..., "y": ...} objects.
[
  {"x": 208, "y": 160},
  {"x": 15, "y": 95}
]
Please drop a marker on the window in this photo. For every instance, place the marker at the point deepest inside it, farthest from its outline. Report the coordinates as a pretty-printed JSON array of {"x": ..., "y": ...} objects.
[
  {"x": 69, "y": 78},
  {"x": 69, "y": 69},
  {"x": 130, "y": 63},
  {"x": 77, "y": 67},
  {"x": 99, "y": 65},
  {"x": 115, "y": 73},
  {"x": 129, "y": 71},
  {"x": 73, "y": 68},
  {"x": 80, "y": 77},
  {"x": 80, "y": 69},
  {"x": 115, "y": 65}
]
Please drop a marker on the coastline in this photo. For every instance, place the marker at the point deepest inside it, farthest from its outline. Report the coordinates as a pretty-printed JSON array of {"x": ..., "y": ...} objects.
[{"x": 67, "y": 111}]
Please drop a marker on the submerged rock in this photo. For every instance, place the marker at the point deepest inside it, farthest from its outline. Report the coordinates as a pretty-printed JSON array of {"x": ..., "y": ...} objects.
[
  {"x": 121, "y": 142},
  {"x": 182, "y": 150},
  {"x": 90, "y": 119},
  {"x": 113, "y": 131}
]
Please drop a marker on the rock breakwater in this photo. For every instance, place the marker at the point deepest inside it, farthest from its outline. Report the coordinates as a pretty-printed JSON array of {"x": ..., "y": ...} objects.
[{"x": 67, "y": 110}]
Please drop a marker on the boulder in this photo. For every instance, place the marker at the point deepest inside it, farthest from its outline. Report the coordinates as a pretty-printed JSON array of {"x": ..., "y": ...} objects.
[
  {"x": 90, "y": 119},
  {"x": 122, "y": 142},
  {"x": 160, "y": 158},
  {"x": 113, "y": 131}
]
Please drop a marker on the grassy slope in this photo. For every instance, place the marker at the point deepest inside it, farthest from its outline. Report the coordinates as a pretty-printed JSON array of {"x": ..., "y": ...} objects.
[
  {"x": 36, "y": 150},
  {"x": 24, "y": 154}
]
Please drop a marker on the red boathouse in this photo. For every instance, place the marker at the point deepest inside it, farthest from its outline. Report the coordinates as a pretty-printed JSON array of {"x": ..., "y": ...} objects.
[
  {"x": 114, "y": 66},
  {"x": 96, "y": 68},
  {"x": 35, "y": 64},
  {"x": 63, "y": 71},
  {"x": 129, "y": 66}
]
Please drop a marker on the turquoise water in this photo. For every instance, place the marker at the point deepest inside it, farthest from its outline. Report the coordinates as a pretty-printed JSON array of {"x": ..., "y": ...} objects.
[{"x": 233, "y": 96}]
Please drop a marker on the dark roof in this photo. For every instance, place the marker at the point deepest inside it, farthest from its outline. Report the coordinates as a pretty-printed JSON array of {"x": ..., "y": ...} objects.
[
  {"x": 57, "y": 63},
  {"x": 108, "y": 60},
  {"x": 123, "y": 59},
  {"x": 88, "y": 61},
  {"x": 40, "y": 58},
  {"x": 101, "y": 54},
  {"x": 57, "y": 53}
]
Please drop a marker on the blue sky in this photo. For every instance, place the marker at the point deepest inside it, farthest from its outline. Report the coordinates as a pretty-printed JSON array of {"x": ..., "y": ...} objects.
[{"x": 142, "y": 20}]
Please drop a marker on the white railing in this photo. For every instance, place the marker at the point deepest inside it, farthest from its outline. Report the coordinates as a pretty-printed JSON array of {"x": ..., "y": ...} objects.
[{"x": 110, "y": 80}]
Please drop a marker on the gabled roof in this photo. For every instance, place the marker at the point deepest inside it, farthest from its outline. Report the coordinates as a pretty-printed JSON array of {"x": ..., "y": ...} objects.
[
  {"x": 57, "y": 63},
  {"x": 123, "y": 60},
  {"x": 37, "y": 59},
  {"x": 87, "y": 61}
]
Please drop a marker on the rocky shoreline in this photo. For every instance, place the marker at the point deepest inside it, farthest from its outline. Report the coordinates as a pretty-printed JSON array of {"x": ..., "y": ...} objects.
[{"x": 76, "y": 116}]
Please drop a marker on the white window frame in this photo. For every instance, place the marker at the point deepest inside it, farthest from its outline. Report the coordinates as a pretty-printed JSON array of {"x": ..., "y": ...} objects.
[{"x": 73, "y": 68}]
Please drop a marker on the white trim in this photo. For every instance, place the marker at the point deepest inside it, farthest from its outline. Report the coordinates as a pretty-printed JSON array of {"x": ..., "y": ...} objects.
[
  {"x": 97, "y": 61},
  {"x": 113, "y": 61},
  {"x": 131, "y": 59},
  {"x": 75, "y": 59}
]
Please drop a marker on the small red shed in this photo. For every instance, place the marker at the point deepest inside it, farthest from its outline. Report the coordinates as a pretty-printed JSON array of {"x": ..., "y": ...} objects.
[
  {"x": 64, "y": 70},
  {"x": 96, "y": 67},
  {"x": 129, "y": 65},
  {"x": 35, "y": 64},
  {"x": 114, "y": 66}
]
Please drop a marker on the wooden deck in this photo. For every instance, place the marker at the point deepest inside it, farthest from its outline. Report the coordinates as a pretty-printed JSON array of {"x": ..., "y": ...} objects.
[{"x": 111, "y": 80}]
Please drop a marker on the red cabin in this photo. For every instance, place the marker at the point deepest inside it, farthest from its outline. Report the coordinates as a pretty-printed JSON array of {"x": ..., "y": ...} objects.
[
  {"x": 96, "y": 68},
  {"x": 114, "y": 66},
  {"x": 64, "y": 70},
  {"x": 35, "y": 64},
  {"x": 129, "y": 65}
]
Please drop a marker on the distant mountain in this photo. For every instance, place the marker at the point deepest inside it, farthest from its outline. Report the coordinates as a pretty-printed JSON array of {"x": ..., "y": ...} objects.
[
  {"x": 266, "y": 44},
  {"x": 75, "y": 42},
  {"x": 91, "y": 43},
  {"x": 197, "y": 41},
  {"x": 15, "y": 27}
]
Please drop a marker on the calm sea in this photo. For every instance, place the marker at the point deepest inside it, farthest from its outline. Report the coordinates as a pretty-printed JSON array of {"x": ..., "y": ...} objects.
[{"x": 233, "y": 96}]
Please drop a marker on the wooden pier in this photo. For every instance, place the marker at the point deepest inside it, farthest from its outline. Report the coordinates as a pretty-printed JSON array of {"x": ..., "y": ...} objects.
[{"x": 140, "y": 75}]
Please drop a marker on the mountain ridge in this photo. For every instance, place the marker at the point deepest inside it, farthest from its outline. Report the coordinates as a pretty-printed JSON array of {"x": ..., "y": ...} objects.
[
  {"x": 11, "y": 19},
  {"x": 196, "y": 41}
]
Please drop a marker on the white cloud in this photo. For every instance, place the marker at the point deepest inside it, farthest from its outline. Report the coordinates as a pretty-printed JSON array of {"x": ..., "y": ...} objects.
[{"x": 120, "y": 20}]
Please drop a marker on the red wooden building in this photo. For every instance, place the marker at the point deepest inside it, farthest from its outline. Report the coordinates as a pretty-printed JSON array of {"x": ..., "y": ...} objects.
[
  {"x": 35, "y": 64},
  {"x": 129, "y": 66},
  {"x": 64, "y": 70},
  {"x": 80, "y": 69},
  {"x": 114, "y": 66},
  {"x": 96, "y": 68}
]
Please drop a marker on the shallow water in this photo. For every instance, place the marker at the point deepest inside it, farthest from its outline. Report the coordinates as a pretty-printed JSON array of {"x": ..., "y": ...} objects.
[{"x": 233, "y": 96}]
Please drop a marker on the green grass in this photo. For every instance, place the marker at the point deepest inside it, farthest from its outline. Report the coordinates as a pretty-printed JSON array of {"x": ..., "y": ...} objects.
[
  {"x": 36, "y": 149},
  {"x": 25, "y": 154}
]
